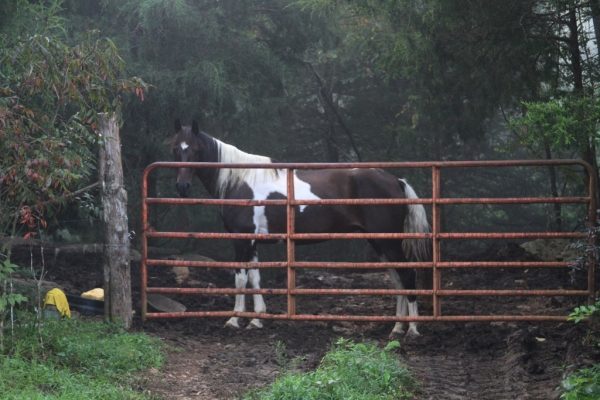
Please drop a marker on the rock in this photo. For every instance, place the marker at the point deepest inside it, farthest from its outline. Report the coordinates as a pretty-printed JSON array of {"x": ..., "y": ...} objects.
[
  {"x": 552, "y": 249},
  {"x": 182, "y": 274}
]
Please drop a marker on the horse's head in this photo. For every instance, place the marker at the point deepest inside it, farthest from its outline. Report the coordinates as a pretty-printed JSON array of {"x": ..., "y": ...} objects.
[{"x": 187, "y": 146}]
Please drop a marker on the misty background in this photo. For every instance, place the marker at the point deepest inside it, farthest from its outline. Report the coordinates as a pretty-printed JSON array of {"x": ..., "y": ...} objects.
[{"x": 359, "y": 80}]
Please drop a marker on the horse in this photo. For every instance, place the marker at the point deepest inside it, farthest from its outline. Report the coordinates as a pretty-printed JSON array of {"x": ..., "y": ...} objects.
[{"x": 189, "y": 144}]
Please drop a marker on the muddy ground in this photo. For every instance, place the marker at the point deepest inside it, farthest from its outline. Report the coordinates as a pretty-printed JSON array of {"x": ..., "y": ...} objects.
[{"x": 451, "y": 360}]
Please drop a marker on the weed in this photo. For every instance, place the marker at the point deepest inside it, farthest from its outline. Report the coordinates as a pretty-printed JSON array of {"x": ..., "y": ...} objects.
[
  {"x": 350, "y": 371},
  {"x": 583, "y": 384}
]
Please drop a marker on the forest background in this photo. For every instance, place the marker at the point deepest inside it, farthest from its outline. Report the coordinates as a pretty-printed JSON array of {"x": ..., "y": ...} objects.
[{"x": 297, "y": 80}]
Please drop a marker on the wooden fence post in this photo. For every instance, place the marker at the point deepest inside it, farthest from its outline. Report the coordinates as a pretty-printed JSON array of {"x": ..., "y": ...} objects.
[{"x": 117, "y": 274}]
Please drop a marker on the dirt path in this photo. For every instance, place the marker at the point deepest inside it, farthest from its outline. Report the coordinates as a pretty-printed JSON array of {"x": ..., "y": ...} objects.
[
  {"x": 477, "y": 361},
  {"x": 493, "y": 362},
  {"x": 452, "y": 361},
  {"x": 210, "y": 362}
]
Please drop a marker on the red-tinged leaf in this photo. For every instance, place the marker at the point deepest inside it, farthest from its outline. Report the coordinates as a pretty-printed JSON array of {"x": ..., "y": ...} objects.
[{"x": 28, "y": 235}]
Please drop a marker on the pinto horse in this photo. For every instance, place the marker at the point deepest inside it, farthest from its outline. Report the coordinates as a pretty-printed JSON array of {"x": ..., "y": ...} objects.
[{"x": 192, "y": 145}]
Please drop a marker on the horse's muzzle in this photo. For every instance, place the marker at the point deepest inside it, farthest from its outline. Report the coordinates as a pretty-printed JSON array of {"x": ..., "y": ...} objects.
[{"x": 183, "y": 189}]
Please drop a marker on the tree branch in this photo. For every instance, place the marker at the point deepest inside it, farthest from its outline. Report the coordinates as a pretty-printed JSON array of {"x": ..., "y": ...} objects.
[{"x": 329, "y": 103}]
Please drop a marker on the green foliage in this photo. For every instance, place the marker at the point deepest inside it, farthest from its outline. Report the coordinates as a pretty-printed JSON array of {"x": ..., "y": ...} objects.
[
  {"x": 320, "y": 6},
  {"x": 50, "y": 95},
  {"x": 77, "y": 360},
  {"x": 566, "y": 122},
  {"x": 412, "y": 80},
  {"x": 23, "y": 18},
  {"x": 8, "y": 299},
  {"x": 582, "y": 385},
  {"x": 350, "y": 371},
  {"x": 584, "y": 312}
]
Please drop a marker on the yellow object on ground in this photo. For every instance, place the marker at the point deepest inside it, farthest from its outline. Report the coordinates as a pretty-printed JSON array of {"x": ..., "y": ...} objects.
[
  {"x": 57, "y": 298},
  {"x": 94, "y": 294}
]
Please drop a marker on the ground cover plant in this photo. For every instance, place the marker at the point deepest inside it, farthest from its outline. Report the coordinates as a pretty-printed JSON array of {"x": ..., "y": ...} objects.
[
  {"x": 73, "y": 359},
  {"x": 350, "y": 371},
  {"x": 584, "y": 383}
]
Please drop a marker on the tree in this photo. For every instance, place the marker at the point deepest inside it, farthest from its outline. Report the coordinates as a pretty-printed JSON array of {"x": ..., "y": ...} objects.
[
  {"x": 566, "y": 113},
  {"x": 325, "y": 80},
  {"x": 50, "y": 96}
]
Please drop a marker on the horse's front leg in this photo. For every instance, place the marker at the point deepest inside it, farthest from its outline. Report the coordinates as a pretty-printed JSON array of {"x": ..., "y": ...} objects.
[
  {"x": 243, "y": 253},
  {"x": 259, "y": 303},
  {"x": 241, "y": 279},
  {"x": 246, "y": 251}
]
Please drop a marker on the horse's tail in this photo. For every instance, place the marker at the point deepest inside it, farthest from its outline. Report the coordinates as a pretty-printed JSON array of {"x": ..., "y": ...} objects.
[{"x": 415, "y": 222}]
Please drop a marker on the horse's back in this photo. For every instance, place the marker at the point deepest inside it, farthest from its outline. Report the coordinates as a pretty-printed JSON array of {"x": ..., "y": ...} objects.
[
  {"x": 352, "y": 183},
  {"x": 324, "y": 184}
]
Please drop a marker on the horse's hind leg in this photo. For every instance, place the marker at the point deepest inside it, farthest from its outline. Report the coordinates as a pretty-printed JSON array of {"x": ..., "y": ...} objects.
[
  {"x": 408, "y": 276},
  {"x": 406, "y": 305},
  {"x": 402, "y": 278},
  {"x": 401, "y": 302}
]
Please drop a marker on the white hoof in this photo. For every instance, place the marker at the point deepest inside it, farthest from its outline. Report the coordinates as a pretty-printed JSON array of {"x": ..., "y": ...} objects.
[
  {"x": 412, "y": 331},
  {"x": 233, "y": 323},
  {"x": 398, "y": 330},
  {"x": 255, "y": 324},
  {"x": 396, "y": 334}
]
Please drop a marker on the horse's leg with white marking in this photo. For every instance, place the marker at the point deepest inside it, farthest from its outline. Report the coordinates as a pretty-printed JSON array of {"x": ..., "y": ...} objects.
[
  {"x": 409, "y": 278},
  {"x": 259, "y": 303},
  {"x": 242, "y": 249},
  {"x": 241, "y": 279},
  {"x": 413, "y": 311},
  {"x": 401, "y": 302}
]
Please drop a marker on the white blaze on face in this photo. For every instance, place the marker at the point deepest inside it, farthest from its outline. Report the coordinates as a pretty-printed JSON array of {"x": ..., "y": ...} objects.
[
  {"x": 264, "y": 189},
  {"x": 184, "y": 145}
]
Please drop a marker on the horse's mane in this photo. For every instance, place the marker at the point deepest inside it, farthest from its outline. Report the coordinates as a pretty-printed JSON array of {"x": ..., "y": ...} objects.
[{"x": 234, "y": 177}]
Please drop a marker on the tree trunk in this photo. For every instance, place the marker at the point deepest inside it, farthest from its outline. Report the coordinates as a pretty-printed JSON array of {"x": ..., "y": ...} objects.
[
  {"x": 595, "y": 8},
  {"x": 329, "y": 106},
  {"x": 117, "y": 275},
  {"x": 576, "y": 67},
  {"x": 554, "y": 188},
  {"x": 589, "y": 148}
]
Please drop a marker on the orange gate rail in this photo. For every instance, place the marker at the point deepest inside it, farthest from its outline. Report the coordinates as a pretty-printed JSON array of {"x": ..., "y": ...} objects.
[{"x": 436, "y": 236}]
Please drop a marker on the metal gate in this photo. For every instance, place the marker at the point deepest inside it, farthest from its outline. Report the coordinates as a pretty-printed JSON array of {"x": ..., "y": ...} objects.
[{"x": 437, "y": 264}]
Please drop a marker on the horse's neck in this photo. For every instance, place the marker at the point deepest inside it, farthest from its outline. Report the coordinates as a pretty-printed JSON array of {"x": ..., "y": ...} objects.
[
  {"x": 209, "y": 176},
  {"x": 230, "y": 178}
]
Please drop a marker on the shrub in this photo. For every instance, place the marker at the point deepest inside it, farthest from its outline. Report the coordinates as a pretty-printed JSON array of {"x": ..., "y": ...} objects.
[{"x": 350, "y": 371}]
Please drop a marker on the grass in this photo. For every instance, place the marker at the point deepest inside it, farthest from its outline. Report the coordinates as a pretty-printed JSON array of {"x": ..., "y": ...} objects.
[
  {"x": 70, "y": 359},
  {"x": 350, "y": 371}
]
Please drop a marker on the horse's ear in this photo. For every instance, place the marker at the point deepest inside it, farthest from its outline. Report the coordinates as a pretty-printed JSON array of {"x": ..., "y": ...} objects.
[
  {"x": 195, "y": 129},
  {"x": 177, "y": 125}
]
